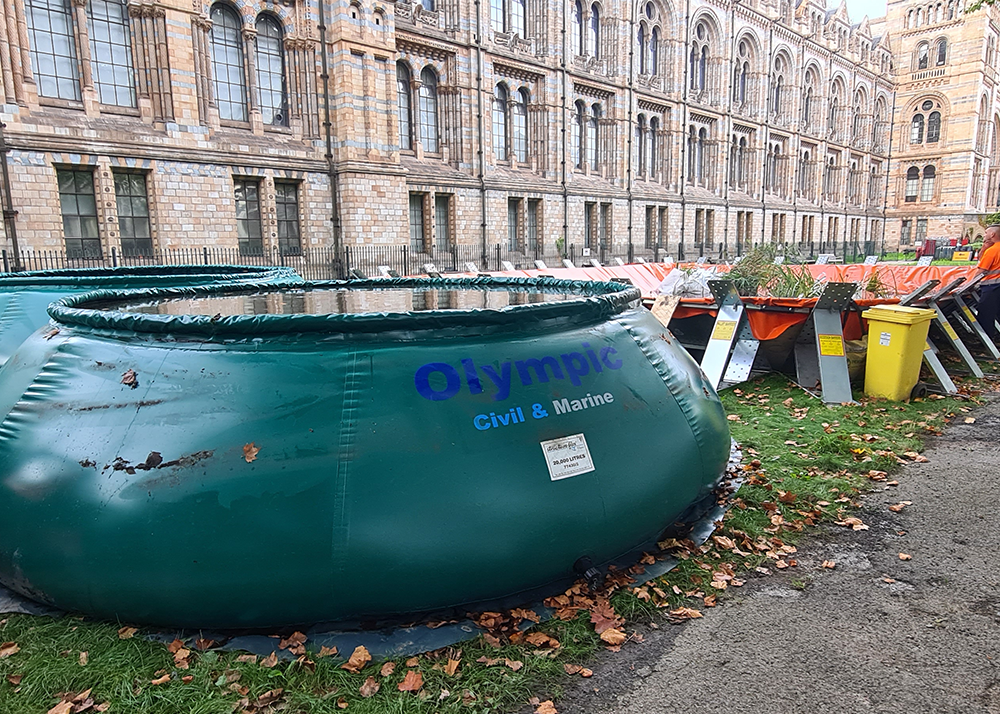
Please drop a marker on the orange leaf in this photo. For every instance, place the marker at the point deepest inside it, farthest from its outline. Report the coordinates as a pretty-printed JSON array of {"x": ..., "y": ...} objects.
[
  {"x": 387, "y": 669},
  {"x": 250, "y": 452},
  {"x": 613, "y": 636},
  {"x": 359, "y": 658},
  {"x": 369, "y": 688},
  {"x": 412, "y": 682},
  {"x": 175, "y": 646},
  {"x": 161, "y": 680},
  {"x": 413, "y": 662},
  {"x": 325, "y": 651},
  {"x": 547, "y": 707},
  {"x": 830, "y": 564},
  {"x": 270, "y": 660},
  {"x": 905, "y": 556},
  {"x": 9, "y": 648},
  {"x": 64, "y": 707},
  {"x": 126, "y": 633},
  {"x": 513, "y": 664},
  {"x": 341, "y": 703},
  {"x": 452, "y": 667},
  {"x": 686, "y": 613}
]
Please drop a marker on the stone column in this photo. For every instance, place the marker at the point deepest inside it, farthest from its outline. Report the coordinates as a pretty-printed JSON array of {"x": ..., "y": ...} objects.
[
  {"x": 91, "y": 99},
  {"x": 253, "y": 95}
]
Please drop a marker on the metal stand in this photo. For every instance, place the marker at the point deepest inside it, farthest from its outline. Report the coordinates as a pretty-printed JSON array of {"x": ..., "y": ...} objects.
[
  {"x": 931, "y": 301},
  {"x": 732, "y": 347},
  {"x": 819, "y": 350},
  {"x": 930, "y": 351},
  {"x": 970, "y": 317}
]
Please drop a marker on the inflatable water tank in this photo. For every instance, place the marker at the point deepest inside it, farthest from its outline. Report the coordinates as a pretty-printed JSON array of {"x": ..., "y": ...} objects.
[
  {"x": 259, "y": 456},
  {"x": 25, "y": 297}
]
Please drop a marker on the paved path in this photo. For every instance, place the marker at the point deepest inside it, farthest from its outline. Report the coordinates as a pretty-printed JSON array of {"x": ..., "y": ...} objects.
[{"x": 849, "y": 642}]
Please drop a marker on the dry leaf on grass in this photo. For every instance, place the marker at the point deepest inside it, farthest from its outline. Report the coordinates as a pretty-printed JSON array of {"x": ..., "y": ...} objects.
[
  {"x": 84, "y": 658},
  {"x": 412, "y": 682},
  {"x": 269, "y": 661},
  {"x": 127, "y": 633},
  {"x": 161, "y": 680},
  {"x": 387, "y": 669},
  {"x": 358, "y": 659},
  {"x": 325, "y": 651},
  {"x": 9, "y": 648},
  {"x": 452, "y": 667},
  {"x": 369, "y": 688}
]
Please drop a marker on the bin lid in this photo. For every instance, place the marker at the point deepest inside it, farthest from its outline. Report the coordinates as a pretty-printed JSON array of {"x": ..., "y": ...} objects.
[{"x": 899, "y": 314}]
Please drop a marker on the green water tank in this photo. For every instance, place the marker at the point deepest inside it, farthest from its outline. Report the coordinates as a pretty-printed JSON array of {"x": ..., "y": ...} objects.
[
  {"x": 25, "y": 297},
  {"x": 261, "y": 456}
]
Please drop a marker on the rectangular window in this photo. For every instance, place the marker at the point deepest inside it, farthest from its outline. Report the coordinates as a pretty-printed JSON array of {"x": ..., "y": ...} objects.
[
  {"x": 417, "y": 222},
  {"x": 709, "y": 231},
  {"x": 531, "y": 223},
  {"x": 661, "y": 229},
  {"x": 133, "y": 213},
  {"x": 605, "y": 225},
  {"x": 442, "y": 222},
  {"x": 650, "y": 226},
  {"x": 286, "y": 199},
  {"x": 111, "y": 52},
  {"x": 833, "y": 228},
  {"x": 590, "y": 216},
  {"x": 513, "y": 218},
  {"x": 249, "y": 230},
  {"x": 79, "y": 213},
  {"x": 699, "y": 227},
  {"x": 53, "y": 48},
  {"x": 904, "y": 231},
  {"x": 921, "y": 229}
]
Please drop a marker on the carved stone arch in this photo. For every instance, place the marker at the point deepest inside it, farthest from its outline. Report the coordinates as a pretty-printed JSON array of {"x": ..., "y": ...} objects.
[
  {"x": 712, "y": 25},
  {"x": 838, "y": 86},
  {"x": 281, "y": 13},
  {"x": 914, "y": 105},
  {"x": 814, "y": 70},
  {"x": 755, "y": 45}
]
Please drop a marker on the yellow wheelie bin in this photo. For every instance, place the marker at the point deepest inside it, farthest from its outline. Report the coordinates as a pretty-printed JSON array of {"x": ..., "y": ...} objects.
[{"x": 897, "y": 337}]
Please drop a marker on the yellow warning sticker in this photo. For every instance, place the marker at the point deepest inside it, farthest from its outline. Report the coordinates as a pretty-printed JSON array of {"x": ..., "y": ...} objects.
[
  {"x": 831, "y": 345},
  {"x": 968, "y": 313},
  {"x": 724, "y": 330},
  {"x": 950, "y": 330}
]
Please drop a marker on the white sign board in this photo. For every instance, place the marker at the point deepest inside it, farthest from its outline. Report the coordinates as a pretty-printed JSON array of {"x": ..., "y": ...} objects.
[
  {"x": 924, "y": 261},
  {"x": 507, "y": 265},
  {"x": 471, "y": 268},
  {"x": 822, "y": 259},
  {"x": 567, "y": 456},
  {"x": 871, "y": 259},
  {"x": 779, "y": 260}
]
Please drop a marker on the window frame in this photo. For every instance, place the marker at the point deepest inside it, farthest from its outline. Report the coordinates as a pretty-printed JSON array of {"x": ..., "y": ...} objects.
[
  {"x": 234, "y": 48},
  {"x": 288, "y": 244},
  {"x": 89, "y": 233},
  {"x": 249, "y": 222},
  {"x": 128, "y": 217},
  {"x": 276, "y": 55}
]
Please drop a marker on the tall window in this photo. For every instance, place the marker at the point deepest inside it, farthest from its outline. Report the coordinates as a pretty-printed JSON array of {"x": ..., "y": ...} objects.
[
  {"x": 500, "y": 102},
  {"x": 595, "y": 32},
  {"x": 942, "y": 52},
  {"x": 590, "y": 232},
  {"x": 498, "y": 17},
  {"x": 286, "y": 198},
  {"x": 834, "y": 114},
  {"x": 651, "y": 153},
  {"x": 227, "y": 64},
  {"x": 428, "y": 110},
  {"x": 921, "y": 229},
  {"x": 927, "y": 185},
  {"x": 53, "y": 48},
  {"x": 513, "y": 211},
  {"x": 111, "y": 52},
  {"x": 404, "y": 105},
  {"x": 741, "y": 72},
  {"x": 642, "y": 48},
  {"x": 654, "y": 51},
  {"x": 79, "y": 213},
  {"x": 133, "y": 213},
  {"x": 933, "y": 127},
  {"x": 923, "y": 55},
  {"x": 648, "y": 39},
  {"x": 531, "y": 219},
  {"x": 778, "y": 85},
  {"x": 417, "y": 222},
  {"x": 248, "y": 219},
  {"x": 905, "y": 228},
  {"x": 578, "y": 135},
  {"x": 442, "y": 224},
  {"x": 271, "y": 71},
  {"x": 698, "y": 57},
  {"x": 592, "y": 134},
  {"x": 912, "y": 181},
  {"x": 650, "y": 226},
  {"x": 519, "y": 128},
  {"x": 917, "y": 129},
  {"x": 640, "y": 144},
  {"x": 578, "y": 38},
  {"x": 509, "y": 16}
]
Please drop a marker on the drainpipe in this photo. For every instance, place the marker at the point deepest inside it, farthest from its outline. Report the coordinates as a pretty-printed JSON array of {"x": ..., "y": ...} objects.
[
  {"x": 630, "y": 129},
  {"x": 9, "y": 214},
  {"x": 888, "y": 164},
  {"x": 328, "y": 129},
  {"x": 728, "y": 135},
  {"x": 564, "y": 146},
  {"x": 481, "y": 130},
  {"x": 767, "y": 135},
  {"x": 684, "y": 126}
]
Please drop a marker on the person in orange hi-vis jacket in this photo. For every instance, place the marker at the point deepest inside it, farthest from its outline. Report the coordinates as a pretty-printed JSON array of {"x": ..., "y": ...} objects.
[{"x": 989, "y": 288}]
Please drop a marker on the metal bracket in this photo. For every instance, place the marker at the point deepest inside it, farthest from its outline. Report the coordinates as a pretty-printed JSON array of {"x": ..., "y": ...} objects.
[
  {"x": 819, "y": 351},
  {"x": 731, "y": 347},
  {"x": 921, "y": 298}
]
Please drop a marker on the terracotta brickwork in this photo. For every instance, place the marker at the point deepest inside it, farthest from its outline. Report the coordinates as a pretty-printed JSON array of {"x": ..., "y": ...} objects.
[{"x": 541, "y": 126}]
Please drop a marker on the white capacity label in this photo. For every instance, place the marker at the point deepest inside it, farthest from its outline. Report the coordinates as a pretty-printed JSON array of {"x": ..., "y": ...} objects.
[
  {"x": 884, "y": 338},
  {"x": 567, "y": 456}
]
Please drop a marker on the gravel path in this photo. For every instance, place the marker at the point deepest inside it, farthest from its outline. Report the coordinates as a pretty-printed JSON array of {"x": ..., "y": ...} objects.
[{"x": 875, "y": 634}]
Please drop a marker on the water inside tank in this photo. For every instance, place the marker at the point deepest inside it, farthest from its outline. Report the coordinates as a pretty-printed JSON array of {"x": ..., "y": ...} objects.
[{"x": 343, "y": 301}]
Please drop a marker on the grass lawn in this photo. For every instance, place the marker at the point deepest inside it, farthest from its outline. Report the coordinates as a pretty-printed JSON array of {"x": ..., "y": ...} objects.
[{"x": 804, "y": 464}]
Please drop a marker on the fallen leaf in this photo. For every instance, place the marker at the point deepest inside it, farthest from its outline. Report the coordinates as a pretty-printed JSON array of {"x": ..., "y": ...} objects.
[
  {"x": 295, "y": 643},
  {"x": 451, "y": 667},
  {"x": 63, "y": 707},
  {"x": 130, "y": 379},
  {"x": 540, "y": 639},
  {"x": 250, "y": 452},
  {"x": 14, "y": 679},
  {"x": 970, "y": 420},
  {"x": 187, "y": 678},
  {"x": 161, "y": 680},
  {"x": 251, "y": 658},
  {"x": 613, "y": 636},
  {"x": 686, "y": 613},
  {"x": 369, "y": 688},
  {"x": 413, "y": 662},
  {"x": 900, "y": 506},
  {"x": 9, "y": 648},
  {"x": 84, "y": 657},
  {"x": 358, "y": 659},
  {"x": 711, "y": 600},
  {"x": 733, "y": 417},
  {"x": 513, "y": 664},
  {"x": 127, "y": 633},
  {"x": 202, "y": 644},
  {"x": 341, "y": 703},
  {"x": 269, "y": 661},
  {"x": 412, "y": 682},
  {"x": 830, "y": 564},
  {"x": 387, "y": 669},
  {"x": 905, "y": 556},
  {"x": 546, "y": 707}
]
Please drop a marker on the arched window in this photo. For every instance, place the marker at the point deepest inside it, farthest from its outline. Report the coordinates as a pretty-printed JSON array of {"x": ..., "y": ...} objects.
[
  {"x": 803, "y": 172},
  {"x": 702, "y": 155},
  {"x": 53, "y": 48},
  {"x": 592, "y": 133},
  {"x": 831, "y": 120},
  {"x": 651, "y": 153},
  {"x": 428, "y": 110},
  {"x": 579, "y": 135},
  {"x": 642, "y": 48},
  {"x": 595, "y": 31},
  {"x": 227, "y": 64},
  {"x": 692, "y": 154},
  {"x": 733, "y": 158},
  {"x": 578, "y": 41},
  {"x": 912, "y": 180},
  {"x": 776, "y": 99},
  {"x": 917, "y": 129},
  {"x": 857, "y": 121},
  {"x": 500, "y": 102},
  {"x": 520, "y": 125},
  {"x": 699, "y": 57},
  {"x": 807, "y": 98},
  {"x": 654, "y": 51},
  {"x": 741, "y": 71},
  {"x": 271, "y": 71},
  {"x": 923, "y": 52},
  {"x": 703, "y": 68},
  {"x": 933, "y": 127},
  {"x": 778, "y": 85},
  {"x": 942, "y": 52},
  {"x": 404, "y": 106},
  {"x": 927, "y": 185},
  {"x": 640, "y": 144},
  {"x": 741, "y": 174},
  {"x": 111, "y": 52}
]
